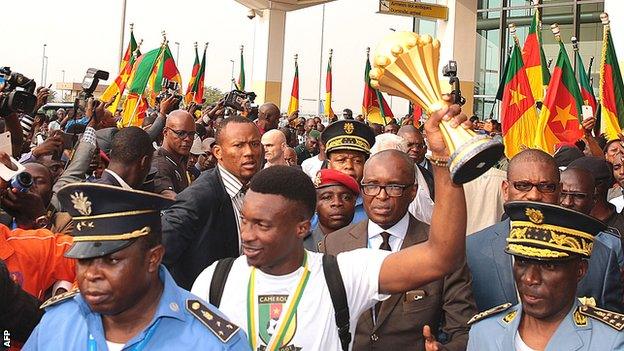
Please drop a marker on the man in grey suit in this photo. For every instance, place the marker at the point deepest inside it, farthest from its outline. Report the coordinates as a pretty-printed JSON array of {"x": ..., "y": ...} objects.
[
  {"x": 533, "y": 175},
  {"x": 550, "y": 246}
]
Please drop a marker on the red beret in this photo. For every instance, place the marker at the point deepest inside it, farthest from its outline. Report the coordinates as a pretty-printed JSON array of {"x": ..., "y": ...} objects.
[{"x": 329, "y": 177}]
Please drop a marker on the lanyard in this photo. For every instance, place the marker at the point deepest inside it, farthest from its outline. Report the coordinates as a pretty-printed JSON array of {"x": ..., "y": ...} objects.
[
  {"x": 92, "y": 345},
  {"x": 277, "y": 338}
]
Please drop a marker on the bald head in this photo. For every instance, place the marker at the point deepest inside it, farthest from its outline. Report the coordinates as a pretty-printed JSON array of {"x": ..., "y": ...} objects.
[
  {"x": 179, "y": 133},
  {"x": 533, "y": 156},
  {"x": 274, "y": 142},
  {"x": 269, "y": 113},
  {"x": 402, "y": 165}
]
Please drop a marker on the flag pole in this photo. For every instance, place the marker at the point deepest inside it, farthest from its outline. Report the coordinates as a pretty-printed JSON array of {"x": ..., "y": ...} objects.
[{"x": 367, "y": 60}]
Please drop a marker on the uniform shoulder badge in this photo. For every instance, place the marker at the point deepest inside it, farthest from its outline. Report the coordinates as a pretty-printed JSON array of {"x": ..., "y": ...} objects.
[
  {"x": 60, "y": 297},
  {"x": 613, "y": 319},
  {"x": 492, "y": 311},
  {"x": 221, "y": 328}
]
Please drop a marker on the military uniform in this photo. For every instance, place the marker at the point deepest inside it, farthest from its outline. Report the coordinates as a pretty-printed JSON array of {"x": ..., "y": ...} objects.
[
  {"x": 109, "y": 219},
  {"x": 549, "y": 233},
  {"x": 181, "y": 322},
  {"x": 584, "y": 328}
]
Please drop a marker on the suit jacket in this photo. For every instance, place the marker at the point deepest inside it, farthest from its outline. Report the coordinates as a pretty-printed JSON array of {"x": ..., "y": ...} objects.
[
  {"x": 492, "y": 277},
  {"x": 313, "y": 240},
  {"x": 199, "y": 229},
  {"x": 446, "y": 303},
  {"x": 498, "y": 333}
]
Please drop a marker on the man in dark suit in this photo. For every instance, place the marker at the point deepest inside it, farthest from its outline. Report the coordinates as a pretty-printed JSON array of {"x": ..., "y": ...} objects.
[
  {"x": 533, "y": 176},
  {"x": 445, "y": 305},
  {"x": 203, "y": 225}
]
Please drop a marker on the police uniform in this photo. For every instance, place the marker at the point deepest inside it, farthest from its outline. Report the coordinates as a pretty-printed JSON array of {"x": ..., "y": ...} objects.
[
  {"x": 348, "y": 135},
  {"x": 549, "y": 233},
  {"x": 108, "y": 219}
]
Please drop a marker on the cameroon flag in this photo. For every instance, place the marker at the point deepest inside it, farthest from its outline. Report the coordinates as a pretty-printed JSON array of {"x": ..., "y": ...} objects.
[
  {"x": 166, "y": 69},
  {"x": 561, "y": 112},
  {"x": 611, "y": 88},
  {"x": 328, "y": 88},
  {"x": 293, "y": 105},
  {"x": 198, "y": 84},
  {"x": 139, "y": 77},
  {"x": 125, "y": 68},
  {"x": 189, "y": 89},
  {"x": 534, "y": 60},
  {"x": 371, "y": 108},
  {"x": 519, "y": 117},
  {"x": 587, "y": 92}
]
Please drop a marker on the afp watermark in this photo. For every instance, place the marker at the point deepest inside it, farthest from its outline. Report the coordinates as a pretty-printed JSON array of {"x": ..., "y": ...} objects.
[{"x": 6, "y": 340}]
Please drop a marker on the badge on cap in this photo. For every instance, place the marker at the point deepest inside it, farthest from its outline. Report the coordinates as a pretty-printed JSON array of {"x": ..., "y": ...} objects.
[
  {"x": 81, "y": 203},
  {"x": 349, "y": 128},
  {"x": 318, "y": 180},
  {"x": 535, "y": 216}
]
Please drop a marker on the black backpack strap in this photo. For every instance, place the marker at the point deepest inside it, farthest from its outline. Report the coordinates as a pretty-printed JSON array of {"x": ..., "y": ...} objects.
[
  {"x": 219, "y": 277},
  {"x": 338, "y": 295}
]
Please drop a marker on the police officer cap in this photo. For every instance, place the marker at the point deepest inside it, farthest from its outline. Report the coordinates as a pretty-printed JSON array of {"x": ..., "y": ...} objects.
[
  {"x": 348, "y": 135},
  {"x": 548, "y": 232},
  {"x": 108, "y": 218}
]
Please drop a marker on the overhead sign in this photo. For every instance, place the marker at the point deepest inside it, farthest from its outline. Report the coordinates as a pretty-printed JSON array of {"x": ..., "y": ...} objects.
[{"x": 413, "y": 9}]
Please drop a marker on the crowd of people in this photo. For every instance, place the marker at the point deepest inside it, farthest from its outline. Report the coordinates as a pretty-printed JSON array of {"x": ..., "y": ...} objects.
[{"x": 207, "y": 229}]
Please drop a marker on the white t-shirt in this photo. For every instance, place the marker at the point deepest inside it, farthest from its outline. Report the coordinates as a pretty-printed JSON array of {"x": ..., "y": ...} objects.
[
  {"x": 315, "y": 327},
  {"x": 113, "y": 346},
  {"x": 520, "y": 345},
  {"x": 311, "y": 166}
]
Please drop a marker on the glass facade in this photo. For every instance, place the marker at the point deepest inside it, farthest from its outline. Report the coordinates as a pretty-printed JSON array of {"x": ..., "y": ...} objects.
[{"x": 579, "y": 18}]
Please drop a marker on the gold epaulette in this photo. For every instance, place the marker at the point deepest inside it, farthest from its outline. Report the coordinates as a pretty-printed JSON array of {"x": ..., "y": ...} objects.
[
  {"x": 613, "y": 319},
  {"x": 220, "y": 327},
  {"x": 60, "y": 297},
  {"x": 494, "y": 310}
]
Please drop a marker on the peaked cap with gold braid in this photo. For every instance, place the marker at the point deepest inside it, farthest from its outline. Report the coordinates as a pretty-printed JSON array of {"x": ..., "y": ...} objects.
[
  {"x": 109, "y": 218},
  {"x": 549, "y": 232}
]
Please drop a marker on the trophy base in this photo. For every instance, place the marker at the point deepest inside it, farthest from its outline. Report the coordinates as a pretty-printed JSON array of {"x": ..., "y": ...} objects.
[{"x": 474, "y": 158}]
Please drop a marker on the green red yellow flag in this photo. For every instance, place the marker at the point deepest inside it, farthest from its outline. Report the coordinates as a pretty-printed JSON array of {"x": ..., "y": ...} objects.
[
  {"x": 374, "y": 106},
  {"x": 188, "y": 97},
  {"x": 136, "y": 104},
  {"x": 293, "y": 105},
  {"x": 611, "y": 86},
  {"x": 561, "y": 111},
  {"x": 518, "y": 114},
  {"x": 587, "y": 92},
  {"x": 165, "y": 68},
  {"x": 240, "y": 83},
  {"x": 534, "y": 59},
  {"x": 327, "y": 108},
  {"x": 198, "y": 84},
  {"x": 116, "y": 89}
]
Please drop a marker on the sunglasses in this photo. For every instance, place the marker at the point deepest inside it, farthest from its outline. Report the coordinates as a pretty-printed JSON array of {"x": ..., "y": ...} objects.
[
  {"x": 182, "y": 134},
  {"x": 544, "y": 188}
]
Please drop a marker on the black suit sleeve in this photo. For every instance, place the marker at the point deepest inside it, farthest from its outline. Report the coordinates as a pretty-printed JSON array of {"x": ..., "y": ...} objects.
[
  {"x": 19, "y": 311},
  {"x": 184, "y": 221}
]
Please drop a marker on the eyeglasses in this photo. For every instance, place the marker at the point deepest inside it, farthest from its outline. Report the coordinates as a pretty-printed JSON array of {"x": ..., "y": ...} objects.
[
  {"x": 545, "y": 188},
  {"x": 393, "y": 190},
  {"x": 182, "y": 134},
  {"x": 574, "y": 195}
]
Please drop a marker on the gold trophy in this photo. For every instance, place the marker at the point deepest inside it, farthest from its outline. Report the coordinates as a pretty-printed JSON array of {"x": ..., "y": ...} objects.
[{"x": 406, "y": 65}]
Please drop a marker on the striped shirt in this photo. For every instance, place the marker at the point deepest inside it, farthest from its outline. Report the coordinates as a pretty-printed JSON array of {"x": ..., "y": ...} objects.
[{"x": 234, "y": 189}]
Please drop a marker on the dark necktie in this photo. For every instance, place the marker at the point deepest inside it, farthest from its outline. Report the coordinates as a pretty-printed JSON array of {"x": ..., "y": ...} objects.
[{"x": 385, "y": 245}]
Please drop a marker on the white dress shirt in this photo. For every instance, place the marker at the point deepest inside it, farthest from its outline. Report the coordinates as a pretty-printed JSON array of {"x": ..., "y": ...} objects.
[
  {"x": 119, "y": 179},
  {"x": 233, "y": 188},
  {"x": 397, "y": 233}
]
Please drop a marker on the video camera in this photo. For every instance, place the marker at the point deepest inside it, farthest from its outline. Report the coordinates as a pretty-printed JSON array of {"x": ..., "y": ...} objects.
[
  {"x": 89, "y": 84},
  {"x": 168, "y": 88},
  {"x": 236, "y": 98},
  {"x": 16, "y": 92},
  {"x": 450, "y": 70}
]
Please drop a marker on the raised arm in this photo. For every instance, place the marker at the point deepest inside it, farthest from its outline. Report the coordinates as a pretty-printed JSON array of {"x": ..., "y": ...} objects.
[{"x": 445, "y": 250}]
